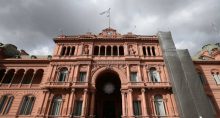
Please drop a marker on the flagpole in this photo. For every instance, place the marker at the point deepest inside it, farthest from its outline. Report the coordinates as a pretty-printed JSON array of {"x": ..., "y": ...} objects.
[{"x": 109, "y": 18}]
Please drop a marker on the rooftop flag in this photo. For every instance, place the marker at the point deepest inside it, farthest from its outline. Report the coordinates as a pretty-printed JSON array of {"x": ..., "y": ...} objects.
[{"x": 107, "y": 12}]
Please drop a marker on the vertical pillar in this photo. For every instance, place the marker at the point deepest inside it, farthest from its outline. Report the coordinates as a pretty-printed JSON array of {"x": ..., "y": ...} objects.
[
  {"x": 45, "y": 101},
  {"x": 123, "y": 104},
  {"x": 111, "y": 50},
  {"x": 71, "y": 102},
  {"x": 140, "y": 73},
  {"x": 125, "y": 49},
  {"x": 4, "y": 76},
  {"x": 76, "y": 68},
  {"x": 144, "y": 109},
  {"x": 88, "y": 73},
  {"x": 34, "y": 74},
  {"x": 92, "y": 105},
  {"x": 105, "y": 50},
  {"x": 128, "y": 72},
  {"x": 22, "y": 78},
  {"x": 118, "y": 50},
  {"x": 84, "y": 103},
  {"x": 99, "y": 50},
  {"x": 130, "y": 103}
]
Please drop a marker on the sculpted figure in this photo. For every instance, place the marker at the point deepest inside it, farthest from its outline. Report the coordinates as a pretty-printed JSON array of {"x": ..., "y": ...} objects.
[
  {"x": 131, "y": 50},
  {"x": 86, "y": 50}
]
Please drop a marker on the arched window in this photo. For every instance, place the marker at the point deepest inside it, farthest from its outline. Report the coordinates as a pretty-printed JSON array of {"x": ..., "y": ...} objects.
[
  {"x": 5, "y": 104},
  {"x": 216, "y": 76},
  {"x": 96, "y": 50},
  {"x": 38, "y": 76},
  {"x": 144, "y": 51},
  {"x": 102, "y": 50},
  {"x": 159, "y": 105},
  {"x": 108, "y": 51},
  {"x": 68, "y": 51},
  {"x": 148, "y": 51},
  {"x": 63, "y": 51},
  {"x": 154, "y": 75},
  {"x": 63, "y": 74},
  {"x": 18, "y": 76},
  {"x": 28, "y": 76},
  {"x": 121, "y": 50},
  {"x": 115, "y": 50},
  {"x": 72, "y": 51},
  {"x": 27, "y": 105},
  {"x": 9, "y": 76},
  {"x": 2, "y": 73},
  {"x": 153, "y": 51},
  {"x": 56, "y": 105}
]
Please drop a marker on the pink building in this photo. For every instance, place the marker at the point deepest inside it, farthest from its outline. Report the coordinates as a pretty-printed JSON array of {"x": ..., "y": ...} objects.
[{"x": 110, "y": 75}]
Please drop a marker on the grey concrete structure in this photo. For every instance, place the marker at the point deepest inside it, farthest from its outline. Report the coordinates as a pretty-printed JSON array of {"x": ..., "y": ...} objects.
[{"x": 189, "y": 94}]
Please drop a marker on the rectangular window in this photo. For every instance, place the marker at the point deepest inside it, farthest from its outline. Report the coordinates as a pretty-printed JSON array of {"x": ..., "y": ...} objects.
[
  {"x": 78, "y": 108},
  {"x": 137, "y": 107},
  {"x": 133, "y": 76},
  {"x": 82, "y": 76}
]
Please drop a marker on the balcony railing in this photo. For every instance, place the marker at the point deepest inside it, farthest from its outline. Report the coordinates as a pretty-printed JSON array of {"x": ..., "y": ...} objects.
[
  {"x": 136, "y": 84},
  {"x": 18, "y": 85},
  {"x": 57, "y": 84},
  {"x": 157, "y": 84}
]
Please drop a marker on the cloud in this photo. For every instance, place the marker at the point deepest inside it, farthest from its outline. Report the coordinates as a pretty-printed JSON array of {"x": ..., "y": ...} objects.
[{"x": 31, "y": 24}]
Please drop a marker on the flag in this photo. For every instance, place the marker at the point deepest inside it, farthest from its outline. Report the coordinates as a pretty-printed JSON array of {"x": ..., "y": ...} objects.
[{"x": 106, "y": 12}]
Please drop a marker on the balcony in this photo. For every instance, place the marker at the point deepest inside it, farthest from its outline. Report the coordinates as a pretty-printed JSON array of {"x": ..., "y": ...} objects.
[
  {"x": 158, "y": 84},
  {"x": 56, "y": 84},
  {"x": 136, "y": 84},
  {"x": 80, "y": 84},
  {"x": 19, "y": 85}
]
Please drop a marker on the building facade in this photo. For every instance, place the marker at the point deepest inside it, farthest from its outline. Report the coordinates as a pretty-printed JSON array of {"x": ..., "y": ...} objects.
[{"x": 110, "y": 75}]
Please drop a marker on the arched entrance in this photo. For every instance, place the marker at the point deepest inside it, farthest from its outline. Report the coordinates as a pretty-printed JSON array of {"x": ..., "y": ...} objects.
[{"x": 108, "y": 95}]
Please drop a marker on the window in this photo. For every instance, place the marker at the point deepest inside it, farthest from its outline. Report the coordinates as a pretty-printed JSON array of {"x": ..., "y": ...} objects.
[
  {"x": 27, "y": 105},
  {"x": 28, "y": 76},
  {"x": 96, "y": 50},
  {"x": 133, "y": 76},
  {"x": 8, "y": 77},
  {"x": 56, "y": 105},
  {"x": 159, "y": 105},
  {"x": 144, "y": 51},
  {"x": 216, "y": 76},
  {"x": 5, "y": 104},
  {"x": 63, "y": 51},
  {"x": 82, "y": 77},
  {"x": 78, "y": 108},
  {"x": 63, "y": 74},
  {"x": 155, "y": 77},
  {"x": 137, "y": 108},
  {"x": 121, "y": 50}
]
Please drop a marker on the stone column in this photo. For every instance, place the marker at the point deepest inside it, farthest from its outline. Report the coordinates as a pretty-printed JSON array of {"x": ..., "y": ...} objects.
[
  {"x": 71, "y": 102},
  {"x": 123, "y": 104},
  {"x": 130, "y": 103},
  {"x": 144, "y": 109},
  {"x": 25, "y": 71},
  {"x": 118, "y": 50},
  {"x": 92, "y": 105},
  {"x": 34, "y": 74},
  {"x": 84, "y": 103},
  {"x": 139, "y": 74},
  {"x": 99, "y": 50},
  {"x": 45, "y": 101}
]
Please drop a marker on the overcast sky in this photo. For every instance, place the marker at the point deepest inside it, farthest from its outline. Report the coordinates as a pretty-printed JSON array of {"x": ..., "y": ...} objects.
[{"x": 31, "y": 24}]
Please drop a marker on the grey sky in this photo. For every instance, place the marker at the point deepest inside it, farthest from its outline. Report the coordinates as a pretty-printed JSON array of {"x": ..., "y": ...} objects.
[{"x": 31, "y": 24}]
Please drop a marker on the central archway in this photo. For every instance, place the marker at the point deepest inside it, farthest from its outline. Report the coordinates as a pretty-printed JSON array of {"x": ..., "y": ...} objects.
[{"x": 108, "y": 95}]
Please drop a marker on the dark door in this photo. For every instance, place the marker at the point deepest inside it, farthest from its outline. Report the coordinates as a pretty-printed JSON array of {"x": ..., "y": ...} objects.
[{"x": 109, "y": 109}]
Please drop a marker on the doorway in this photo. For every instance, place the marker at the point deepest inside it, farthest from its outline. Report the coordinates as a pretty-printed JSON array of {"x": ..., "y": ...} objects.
[{"x": 108, "y": 95}]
